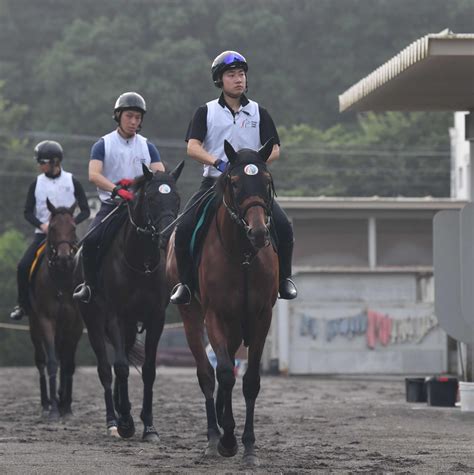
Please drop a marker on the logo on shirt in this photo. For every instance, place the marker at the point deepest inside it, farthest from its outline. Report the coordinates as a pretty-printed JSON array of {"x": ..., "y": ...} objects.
[{"x": 247, "y": 124}]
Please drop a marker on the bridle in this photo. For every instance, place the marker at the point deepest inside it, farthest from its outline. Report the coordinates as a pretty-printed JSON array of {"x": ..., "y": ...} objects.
[
  {"x": 237, "y": 213},
  {"x": 53, "y": 251},
  {"x": 150, "y": 229}
]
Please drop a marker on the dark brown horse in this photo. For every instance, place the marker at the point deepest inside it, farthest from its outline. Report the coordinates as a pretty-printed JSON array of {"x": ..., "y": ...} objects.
[
  {"x": 132, "y": 288},
  {"x": 55, "y": 323},
  {"x": 238, "y": 285}
]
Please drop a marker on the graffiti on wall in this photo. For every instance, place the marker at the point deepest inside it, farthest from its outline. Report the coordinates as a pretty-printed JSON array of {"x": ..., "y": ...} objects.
[{"x": 377, "y": 327}]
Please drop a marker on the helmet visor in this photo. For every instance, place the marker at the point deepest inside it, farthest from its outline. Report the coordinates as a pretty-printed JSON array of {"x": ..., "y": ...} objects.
[{"x": 233, "y": 57}]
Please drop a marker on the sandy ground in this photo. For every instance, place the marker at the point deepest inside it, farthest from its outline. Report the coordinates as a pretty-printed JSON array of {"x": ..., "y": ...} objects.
[{"x": 303, "y": 425}]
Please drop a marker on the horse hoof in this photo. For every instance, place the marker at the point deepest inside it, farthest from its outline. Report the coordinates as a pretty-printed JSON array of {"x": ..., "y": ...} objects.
[
  {"x": 250, "y": 459},
  {"x": 211, "y": 449},
  {"x": 227, "y": 452},
  {"x": 53, "y": 416},
  {"x": 112, "y": 431},
  {"x": 150, "y": 434},
  {"x": 152, "y": 438},
  {"x": 126, "y": 428}
]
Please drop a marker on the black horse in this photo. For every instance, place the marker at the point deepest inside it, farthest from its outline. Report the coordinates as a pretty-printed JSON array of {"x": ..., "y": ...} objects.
[
  {"x": 55, "y": 323},
  {"x": 132, "y": 288}
]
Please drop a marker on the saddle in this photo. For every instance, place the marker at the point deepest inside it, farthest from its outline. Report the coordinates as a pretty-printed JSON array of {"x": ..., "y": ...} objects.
[
  {"x": 37, "y": 260},
  {"x": 108, "y": 232}
]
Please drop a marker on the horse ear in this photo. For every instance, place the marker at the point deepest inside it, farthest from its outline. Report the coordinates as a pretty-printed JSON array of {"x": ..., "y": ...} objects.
[
  {"x": 177, "y": 171},
  {"x": 230, "y": 152},
  {"x": 266, "y": 150},
  {"x": 50, "y": 206},
  {"x": 73, "y": 208},
  {"x": 147, "y": 172}
]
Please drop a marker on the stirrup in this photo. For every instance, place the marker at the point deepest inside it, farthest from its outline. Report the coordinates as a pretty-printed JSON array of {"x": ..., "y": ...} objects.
[
  {"x": 18, "y": 313},
  {"x": 82, "y": 292},
  {"x": 287, "y": 289},
  {"x": 181, "y": 294}
]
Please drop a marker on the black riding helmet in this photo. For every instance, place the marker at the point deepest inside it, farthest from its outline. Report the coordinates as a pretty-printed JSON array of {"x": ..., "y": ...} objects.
[
  {"x": 225, "y": 61},
  {"x": 129, "y": 101},
  {"x": 47, "y": 151}
]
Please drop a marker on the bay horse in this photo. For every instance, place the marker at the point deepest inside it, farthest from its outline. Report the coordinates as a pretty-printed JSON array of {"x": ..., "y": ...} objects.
[
  {"x": 132, "y": 288},
  {"x": 55, "y": 323},
  {"x": 237, "y": 289}
]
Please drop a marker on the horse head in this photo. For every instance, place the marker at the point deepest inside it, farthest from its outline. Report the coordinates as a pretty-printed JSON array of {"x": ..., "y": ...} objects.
[
  {"x": 158, "y": 203},
  {"x": 61, "y": 239},
  {"x": 247, "y": 189}
]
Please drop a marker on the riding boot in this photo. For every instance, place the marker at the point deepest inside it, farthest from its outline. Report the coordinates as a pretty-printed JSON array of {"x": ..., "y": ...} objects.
[
  {"x": 23, "y": 307},
  {"x": 183, "y": 292},
  {"x": 18, "y": 313},
  {"x": 84, "y": 291},
  {"x": 287, "y": 288}
]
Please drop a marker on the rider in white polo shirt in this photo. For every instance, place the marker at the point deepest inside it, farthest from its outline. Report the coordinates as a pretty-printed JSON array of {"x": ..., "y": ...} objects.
[
  {"x": 245, "y": 124},
  {"x": 116, "y": 159},
  {"x": 62, "y": 189}
]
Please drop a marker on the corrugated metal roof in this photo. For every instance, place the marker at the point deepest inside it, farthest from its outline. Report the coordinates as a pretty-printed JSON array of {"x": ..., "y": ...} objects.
[
  {"x": 375, "y": 202},
  {"x": 435, "y": 72}
]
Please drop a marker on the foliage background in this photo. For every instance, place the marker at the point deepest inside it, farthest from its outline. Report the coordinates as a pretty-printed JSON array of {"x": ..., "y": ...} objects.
[{"x": 64, "y": 62}]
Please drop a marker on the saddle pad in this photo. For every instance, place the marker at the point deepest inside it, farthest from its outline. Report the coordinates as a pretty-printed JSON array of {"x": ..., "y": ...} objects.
[
  {"x": 204, "y": 216},
  {"x": 36, "y": 261}
]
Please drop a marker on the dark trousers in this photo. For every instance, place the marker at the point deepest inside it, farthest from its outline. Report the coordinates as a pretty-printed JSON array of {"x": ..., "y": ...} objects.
[
  {"x": 90, "y": 246},
  {"x": 23, "y": 269},
  {"x": 185, "y": 228}
]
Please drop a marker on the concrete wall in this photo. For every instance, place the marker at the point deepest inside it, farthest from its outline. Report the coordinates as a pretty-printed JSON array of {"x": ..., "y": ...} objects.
[{"x": 364, "y": 323}]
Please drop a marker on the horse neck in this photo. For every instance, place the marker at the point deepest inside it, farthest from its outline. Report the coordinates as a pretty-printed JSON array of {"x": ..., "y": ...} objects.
[
  {"x": 230, "y": 233},
  {"x": 138, "y": 246}
]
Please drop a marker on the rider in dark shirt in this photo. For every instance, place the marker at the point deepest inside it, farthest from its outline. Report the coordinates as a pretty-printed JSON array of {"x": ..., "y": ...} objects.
[{"x": 245, "y": 124}]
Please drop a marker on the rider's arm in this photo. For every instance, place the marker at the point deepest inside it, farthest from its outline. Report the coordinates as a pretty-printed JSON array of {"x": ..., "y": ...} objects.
[
  {"x": 196, "y": 152},
  {"x": 96, "y": 177},
  {"x": 29, "y": 210},
  {"x": 268, "y": 131},
  {"x": 81, "y": 201},
  {"x": 195, "y": 136},
  {"x": 156, "y": 163}
]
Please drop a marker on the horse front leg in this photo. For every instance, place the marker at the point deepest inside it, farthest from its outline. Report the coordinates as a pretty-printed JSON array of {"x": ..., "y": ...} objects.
[
  {"x": 125, "y": 424},
  {"x": 150, "y": 434},
  {"x": 67, "y": 350},
  {"x": 40, "y": 362},
  {"x": 227, "y": 446},
  {"x": 48, "y": 333},
  {"x": 194, "y": 329},
  {"x": 96, "y": 333},
  {"x": 251, "y": 386}
]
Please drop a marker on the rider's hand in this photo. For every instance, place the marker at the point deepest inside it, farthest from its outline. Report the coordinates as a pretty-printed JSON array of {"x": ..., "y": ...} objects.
[
  {"x": 125, "y": 194},
  {"x": 44, "y": 227},
  {"x": 125, "y": 182},
  {"x": 221, "y": 165}
]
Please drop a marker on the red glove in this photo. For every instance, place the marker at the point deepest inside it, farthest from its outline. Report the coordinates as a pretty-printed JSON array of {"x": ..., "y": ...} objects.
[
  {"x": 125, "y": 182},
  {"x": 125, "y": 194}
]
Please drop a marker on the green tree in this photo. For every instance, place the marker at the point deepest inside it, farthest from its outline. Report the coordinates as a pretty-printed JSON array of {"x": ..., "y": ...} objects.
[
  {"x": 15, "y": 348},
  {"x": 388, "y": 154}
]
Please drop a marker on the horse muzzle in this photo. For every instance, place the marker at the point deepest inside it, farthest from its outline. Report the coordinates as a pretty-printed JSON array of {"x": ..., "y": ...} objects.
[{"x": 259, "y": 237}]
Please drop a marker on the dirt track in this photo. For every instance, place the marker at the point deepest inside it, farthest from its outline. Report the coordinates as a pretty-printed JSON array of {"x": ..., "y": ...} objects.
[{"x": 303, "y": 425}]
